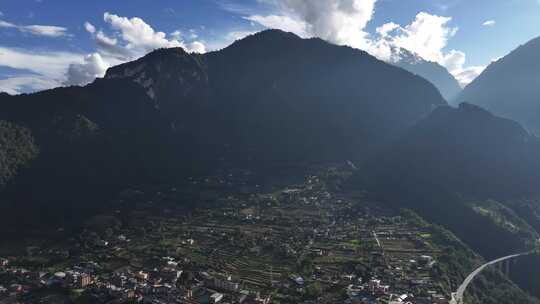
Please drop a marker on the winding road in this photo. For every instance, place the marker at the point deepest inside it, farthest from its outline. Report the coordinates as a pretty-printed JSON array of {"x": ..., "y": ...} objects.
[{"x": 457, "y": 297}]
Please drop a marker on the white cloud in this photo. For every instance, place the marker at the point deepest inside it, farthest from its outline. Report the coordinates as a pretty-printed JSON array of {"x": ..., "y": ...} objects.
[
  {"x": 196, "y": 46},
  {"x": 426, "y": 36},
  {"x": 489, "y": 23},
  {"x": 45, "y": 30},
  {"x": 385, "y": 29},
  {"x": 37, "y": 30},
  {"x": 468, "y": 74},
  {"x": 138, "y": 35},
  {"x": 137, "y": 38},
  {"x": 83, "y": 73},
  {"x": 45, "y": 63},
  {"x": 89, "y": 27},
  {"x": 20, "y": 84},
  {"x": 338, "y": 21},
  {"x": 454, "y": 61},
  {"x": 6, "y": 24},
  {"x": 177, "y": 35},
  {"x": 47, "y": 69}
]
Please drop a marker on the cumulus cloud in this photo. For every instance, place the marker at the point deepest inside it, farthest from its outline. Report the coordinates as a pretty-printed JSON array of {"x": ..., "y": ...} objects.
[
  {"x": 85, "y": 72},
  {"x": 37, "y": 30},
  {"x": 385, "y": 29},
  {"x": 196, "y": 46},
  {"x": 338, "y": 21},
  {"x": 344, "y": 22},
  {"x": 138, "y": 36},
  {"x": 489, "y": 23}
]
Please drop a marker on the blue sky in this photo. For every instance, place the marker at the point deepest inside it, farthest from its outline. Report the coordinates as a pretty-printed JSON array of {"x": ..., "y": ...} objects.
[{"x": 48, "y": 43}]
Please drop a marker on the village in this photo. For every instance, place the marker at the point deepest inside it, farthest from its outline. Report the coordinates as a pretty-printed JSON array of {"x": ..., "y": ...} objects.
[{"x": 242, "y": 243}]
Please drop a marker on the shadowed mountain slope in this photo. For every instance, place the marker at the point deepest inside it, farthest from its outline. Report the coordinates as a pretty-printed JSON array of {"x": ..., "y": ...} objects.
[{"x": 510, "y": 87}]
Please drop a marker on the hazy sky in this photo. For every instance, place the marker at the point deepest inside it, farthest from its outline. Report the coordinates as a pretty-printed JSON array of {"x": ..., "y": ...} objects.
[{"x": 48, "y": 43}]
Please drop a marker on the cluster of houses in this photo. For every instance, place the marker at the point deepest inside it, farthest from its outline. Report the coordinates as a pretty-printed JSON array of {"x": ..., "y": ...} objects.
[{"x": 236, "y": 237}]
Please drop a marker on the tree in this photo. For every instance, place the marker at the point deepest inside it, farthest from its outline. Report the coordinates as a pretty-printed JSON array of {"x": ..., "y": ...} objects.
[
  {"x": 314, "y": 290},
  {"x": 17, "y": 149}
]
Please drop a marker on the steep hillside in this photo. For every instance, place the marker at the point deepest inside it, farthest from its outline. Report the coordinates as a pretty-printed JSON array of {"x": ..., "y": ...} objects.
[
  {"x": 465, "y": 150},
  {"x": 510, "y": 87},
  {"x": 17, "y": 150},
  {"x": 468, "y": 170}
]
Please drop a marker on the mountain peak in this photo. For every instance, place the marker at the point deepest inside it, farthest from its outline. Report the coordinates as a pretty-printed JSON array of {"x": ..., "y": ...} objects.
[
  {"x": 128, "y": 69},
  {"x": 272, "y": 39},
  {"x": 401, "y": 55},
  {"x": 274, "y": 34},
  {"x": 174, "y": 51},
  {"x": 432, "y": 71},
  {"x": 163, "y": 72}
]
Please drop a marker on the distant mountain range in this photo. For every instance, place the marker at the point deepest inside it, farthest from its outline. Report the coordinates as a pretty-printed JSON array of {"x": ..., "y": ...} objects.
[
  {"x": 432, "y": 71},
  {"x": 510, "y": 87},
  {"x": 269, "y": 98}
]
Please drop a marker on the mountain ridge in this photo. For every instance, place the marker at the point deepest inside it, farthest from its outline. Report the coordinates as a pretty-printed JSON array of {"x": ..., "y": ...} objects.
[
  {"x": 510, "y": 86},
  {"x": 272, "y": 97}
]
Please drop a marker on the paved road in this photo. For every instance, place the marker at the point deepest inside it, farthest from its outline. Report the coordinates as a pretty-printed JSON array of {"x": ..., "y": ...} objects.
[
  {"x": 377, "y": 239},
  {"x": 457, "y": 297}
]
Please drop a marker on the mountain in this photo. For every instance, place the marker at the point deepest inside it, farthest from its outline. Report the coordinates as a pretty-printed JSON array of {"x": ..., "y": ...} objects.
[
  {"x": 510, "y": 87},
  {"x": 269, "y": 98},
  {"x": 452, "y": 160},
  {"x": 466, "y": 150},
  {"x": 472, "y": 172},
  {"x": 276, "y": 96},
  {"x": 432, "y": 71}
]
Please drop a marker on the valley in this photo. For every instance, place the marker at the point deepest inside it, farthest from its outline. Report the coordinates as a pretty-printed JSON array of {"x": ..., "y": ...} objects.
[
  {"x": 278, "y": 169},
  {"x": 307, "y": 242}
]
